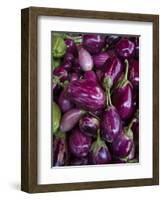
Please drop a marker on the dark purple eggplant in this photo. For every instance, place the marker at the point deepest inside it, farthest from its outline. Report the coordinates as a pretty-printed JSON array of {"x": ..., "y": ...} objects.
[
  {"x": 68, "y": 57},
  {"x": 79, "y": 143},
  {"x": 123, "y": 144},
  {"x": 76, "y": 66},
  {"x": 67, "y": 65},
  {"x": 125, "y": 48},
  {"x": 135, "y": 40},
  {"x": 71, "y": 47},
  {"x": 99, "y": 152},
  {"x": 113, "y": 69},
  {"x": 60, "y": 151},
  {"x": 85, "y": 60},
  {"x": 111, "y": 124},
  {"x": 122, "y": 96},
  {"x": 134, "y": 73},
  {"x": 64, "y": 102},
  {"x": 86, "y": 94},
  {"x": 93, "y": 42},
  {"x": 70, "y": 119},
  {"x": 60, "y": 73},
  {"x": 78, "y": 161},
  {"x": 99, "y": 59},
  {"x": 89, "y": 125},
  {"x": 112, "y": 40}
]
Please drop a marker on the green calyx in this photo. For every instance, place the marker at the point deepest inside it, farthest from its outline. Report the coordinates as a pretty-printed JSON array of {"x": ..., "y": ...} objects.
[
  {"x": 124, "y": 79},
  {"x": 59, "y": 47},
  {"x": 76, "y": 39},
  {"x": 128, "y": 132},
  {"x": 107, "y": 83},
  {"x": 98, "y": 143},
  {"x": 56, "y": 80},
  {"x": 60, "y": 134},
  {"x": 56, "y": 117},
  {"x": 56, "y": 62}
]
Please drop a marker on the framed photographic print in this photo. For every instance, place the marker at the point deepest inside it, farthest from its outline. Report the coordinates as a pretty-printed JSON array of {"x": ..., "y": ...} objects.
[{"x": 90, "y": 99}]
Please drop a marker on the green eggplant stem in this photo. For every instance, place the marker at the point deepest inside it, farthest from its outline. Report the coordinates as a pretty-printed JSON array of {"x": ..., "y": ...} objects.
[
  {"x": 108, "y": 98},
  {"x": 126, "y": 71}
]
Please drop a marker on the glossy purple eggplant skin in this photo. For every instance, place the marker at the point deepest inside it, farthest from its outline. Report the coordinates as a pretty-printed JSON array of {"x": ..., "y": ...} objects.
[
  {"x": 89, "y": 125},
  {"x": 86, "y": 94},
  {"x": 100, "y": 156},
  {"x": 134, "y": 73},
  {"x": 71, "y": 48},
  {"x": 64, "y": 102},
  {"x": 111, "y": 125},
  {"x": 68, "y": 57},
  {"x": 60, "y": 151},
  {"x": 67, "y": 65},
  {"x": 113, "y": 68},
  {"x": 125, "y": 48},
  {"x": 61, "y": 72},
  {"x": 100, "y": 59},
  {"x": 122, "y": 99},
  {"x": 79, "y": 144},
  {"x": 122, "y": 145},
  {"x": 91, "y": 75},
  {"x": 79, "y": 161},
  {"x": 70, "y": 119},
  {"x": 93, "y": 42}
]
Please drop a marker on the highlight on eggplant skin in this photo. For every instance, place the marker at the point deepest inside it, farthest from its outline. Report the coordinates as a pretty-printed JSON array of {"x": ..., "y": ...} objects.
[{"x": 95, "y": 99}]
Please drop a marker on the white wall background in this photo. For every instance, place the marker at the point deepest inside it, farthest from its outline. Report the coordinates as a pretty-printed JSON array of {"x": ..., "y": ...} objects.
[{"x": 10, "y": 98}]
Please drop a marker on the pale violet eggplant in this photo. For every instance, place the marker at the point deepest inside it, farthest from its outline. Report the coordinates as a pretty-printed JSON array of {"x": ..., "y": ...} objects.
[
  {"x": 70, "y": 119},
  {"x": 85, "y": 60}
]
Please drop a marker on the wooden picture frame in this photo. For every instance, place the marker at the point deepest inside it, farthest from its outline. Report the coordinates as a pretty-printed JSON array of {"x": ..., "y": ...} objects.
[{"x": 29, "y": 99}]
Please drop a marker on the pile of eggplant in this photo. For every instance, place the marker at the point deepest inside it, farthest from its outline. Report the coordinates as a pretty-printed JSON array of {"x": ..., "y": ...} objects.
[{"x": 95, "y": 108}]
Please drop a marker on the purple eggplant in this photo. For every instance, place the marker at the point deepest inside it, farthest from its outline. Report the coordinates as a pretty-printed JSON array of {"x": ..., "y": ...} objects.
[
  {"x": 91, "y": 75},
  {"x": 112, "y": 40},
  {"x": 67, "y": 65},
  {"x": 135, "y": 40},
  {"x": 76, "y": 68},
  {"x": 89, "y": 125},
  {"x": 86, "y": 94},
  {"x": 64, "y": 102},
  {"x": 78, "y": 161},
  {"x": 79, "y": 144},
  {"x": 68, "y": 57},
  {"x": 125, "y": 48},
  {"x": 61, "y": 73},
  {"x": 110, "y": 124},
  {"x": 99, "y": 152},
  {"x": 122, "y": 96},
  {"x": 60, "y": 151},
  {"x": 99, "y": 59},
  {"x": 113, "y": 69},
  {"x": 85, "y": 60},
  {"x": 93, "y": 42},
  {"x": 134, "y": 73},
  {"x": 123, "y": 144},
  {"x": 71, "y": 48},
  {"x": 70, "y": 119},
  {"x": 74, "y": 77}
]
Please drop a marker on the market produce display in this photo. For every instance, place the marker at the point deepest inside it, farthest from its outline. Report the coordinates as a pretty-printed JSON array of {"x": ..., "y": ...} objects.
[{"x": 95, "y": 108}]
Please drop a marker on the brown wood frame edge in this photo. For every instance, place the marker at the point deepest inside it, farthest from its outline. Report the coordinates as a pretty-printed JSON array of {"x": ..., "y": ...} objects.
[{"x": 29, "y": 99}]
